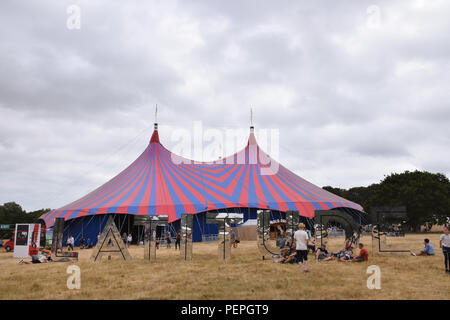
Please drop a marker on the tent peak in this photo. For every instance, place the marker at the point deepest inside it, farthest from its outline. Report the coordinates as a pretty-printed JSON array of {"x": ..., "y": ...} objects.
[
  {"x": 155, "y": 135},
  {"x": 251, "y": 138}
]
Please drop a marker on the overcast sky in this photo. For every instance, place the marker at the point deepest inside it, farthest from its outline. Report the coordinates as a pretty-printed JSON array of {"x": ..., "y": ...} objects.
[{"x": 356, "y": 89}]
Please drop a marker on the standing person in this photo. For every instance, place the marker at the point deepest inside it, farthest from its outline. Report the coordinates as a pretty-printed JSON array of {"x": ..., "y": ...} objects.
[
  {"x": 155, "y": 239},
  {"x": 99, "y": 236},
  {"x": 168, "y": 240},
  {"x": 444, "y": 243},
  {"x": 125, "y": 238},
  {"x": 355, "y": 237},
  {"x": 129, "y": 239},
  {"x": 233, "y": 238},
  {"x": 301, "y": 245},
  {"x": 178, "y": 240},
  {"x": 82, "y": 243},
  {"x": 70, "y": 242}
]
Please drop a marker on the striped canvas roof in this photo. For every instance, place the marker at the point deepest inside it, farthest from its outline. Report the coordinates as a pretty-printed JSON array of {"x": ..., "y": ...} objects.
[{"x": 162, "y": 183}]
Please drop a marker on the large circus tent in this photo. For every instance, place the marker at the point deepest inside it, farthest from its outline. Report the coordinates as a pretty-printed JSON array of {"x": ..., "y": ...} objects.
[{"x": 160, "y": 182}]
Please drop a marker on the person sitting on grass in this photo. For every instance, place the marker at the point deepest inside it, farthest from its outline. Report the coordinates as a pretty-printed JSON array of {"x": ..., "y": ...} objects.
[
  {"x": 348, "y": 248},
  {"x": 348, "y": 256},
  {"x": 311, "y": 245},
  {"x": 427, "y": 251},
  {"x": 322, "y": 253},
  {"x": 363, "y": 254},
  {"x": 284, "y": 252},
  {"x": 285, "y": 249},
  {"x": 345, "y": 254},
  {"x": 43, "y": 257},
  {"x": 288, "y": 254}
]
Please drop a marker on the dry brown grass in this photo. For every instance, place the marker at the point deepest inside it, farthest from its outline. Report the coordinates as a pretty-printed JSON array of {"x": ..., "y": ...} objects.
[{"x": 246, "y": 276}]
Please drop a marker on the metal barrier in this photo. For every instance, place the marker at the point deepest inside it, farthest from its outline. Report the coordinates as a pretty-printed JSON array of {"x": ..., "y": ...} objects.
[
  {"x": 337, "y": 234},
  {"x": 163, "y": 242},
  {"x": 210, "y": 237}
]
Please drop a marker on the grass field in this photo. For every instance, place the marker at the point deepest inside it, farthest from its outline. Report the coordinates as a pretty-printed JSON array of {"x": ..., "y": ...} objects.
[{"x": 246, "y": 276}]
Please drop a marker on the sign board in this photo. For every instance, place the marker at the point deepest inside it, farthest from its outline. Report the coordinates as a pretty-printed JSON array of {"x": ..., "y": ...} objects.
[
  {"x": 6, "y": 226},
  {"x": 26, "y": 240},
  {"x": 378, "y": 214}
]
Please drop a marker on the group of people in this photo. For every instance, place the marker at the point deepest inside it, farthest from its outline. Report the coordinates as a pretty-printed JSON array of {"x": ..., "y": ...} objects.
[
  {"x": 444, "y": 244},
  {"x": 85, "y": 244},
  {"x": 168, "y": 239},
  {"x": 127, "y": 239},
  {"x": 344, "y": 255},
  {"x": 297, "y": 251}
]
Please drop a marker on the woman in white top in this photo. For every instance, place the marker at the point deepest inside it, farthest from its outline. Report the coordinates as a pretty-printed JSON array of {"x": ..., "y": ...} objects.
[
  {"x": 445, "y": 245},
  {"x": 129, "y": 239}
]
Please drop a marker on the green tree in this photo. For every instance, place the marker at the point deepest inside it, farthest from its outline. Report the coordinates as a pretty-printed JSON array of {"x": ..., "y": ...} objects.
[
  {"x": 12, "y": 213},
  {"x": 337, "y": 191},
  {"x": 426, "y": 196},
  {"x": 34, "y": 215}
]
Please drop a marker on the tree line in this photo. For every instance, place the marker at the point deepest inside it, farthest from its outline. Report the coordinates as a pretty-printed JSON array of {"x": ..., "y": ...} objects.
[
  {"x": 12, "y": 213},
  {"x": 426, "y": 196}
]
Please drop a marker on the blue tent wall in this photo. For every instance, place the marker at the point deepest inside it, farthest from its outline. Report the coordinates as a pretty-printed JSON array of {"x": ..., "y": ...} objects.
[{"x": 91, "y": 226}]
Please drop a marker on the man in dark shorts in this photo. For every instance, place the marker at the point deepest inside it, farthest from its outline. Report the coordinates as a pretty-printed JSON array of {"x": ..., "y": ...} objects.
[
  {"x": 302, "y": 257},
  {"x": 301, "y": 245}
]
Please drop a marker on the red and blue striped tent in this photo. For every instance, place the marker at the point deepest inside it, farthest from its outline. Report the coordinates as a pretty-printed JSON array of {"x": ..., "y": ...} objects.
[{"x": 162, "y": 183}]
